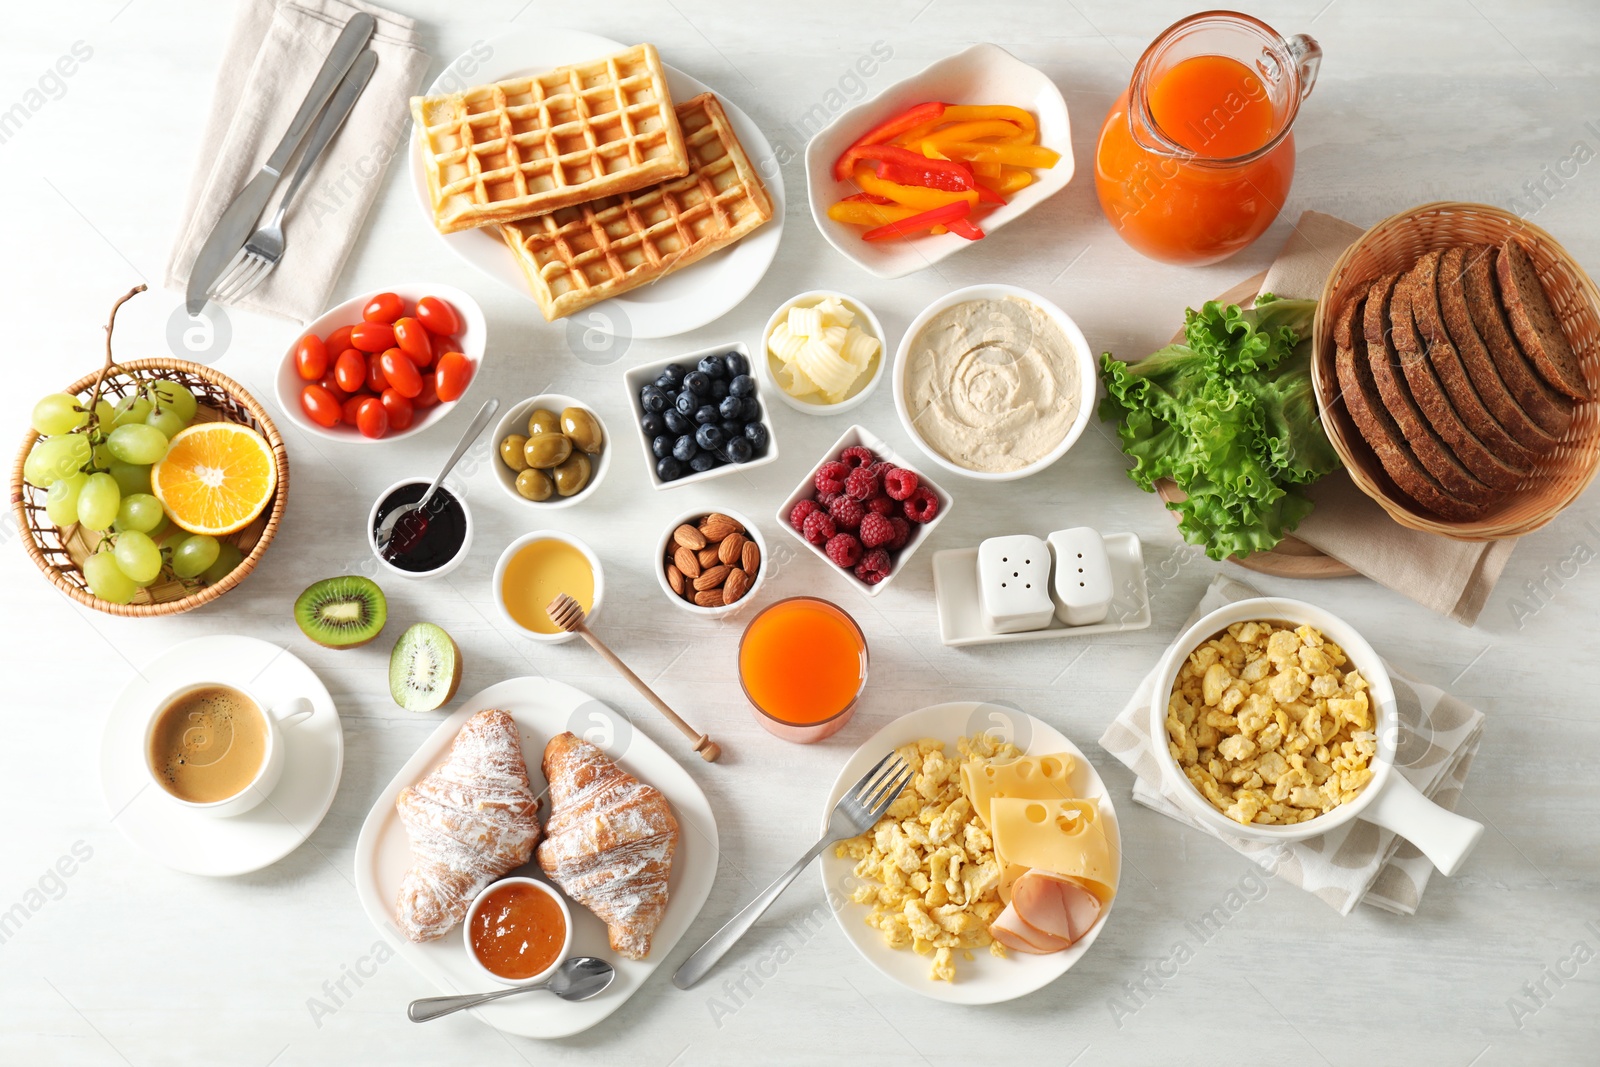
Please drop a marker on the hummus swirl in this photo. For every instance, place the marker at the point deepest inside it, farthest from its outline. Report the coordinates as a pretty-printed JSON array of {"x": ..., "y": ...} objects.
[{"x": 992, "y": 385}]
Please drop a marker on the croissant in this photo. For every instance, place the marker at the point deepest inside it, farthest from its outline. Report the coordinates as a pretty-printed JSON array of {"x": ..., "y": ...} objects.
[
  {"x": 609, "y": 842},
  {"x": 470, "y": 821}
]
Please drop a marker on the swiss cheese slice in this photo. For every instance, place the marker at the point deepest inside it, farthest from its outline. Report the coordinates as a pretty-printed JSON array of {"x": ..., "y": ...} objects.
[
  {"x": 1046, "y": 777},
  {"x": 1064, "y": 837}
]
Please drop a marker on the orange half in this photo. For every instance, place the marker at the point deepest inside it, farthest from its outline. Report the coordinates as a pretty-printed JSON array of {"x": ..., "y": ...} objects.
[{"x": 215, "y": 478}]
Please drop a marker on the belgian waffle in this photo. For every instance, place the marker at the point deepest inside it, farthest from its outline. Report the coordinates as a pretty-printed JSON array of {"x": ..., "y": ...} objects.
[
  {"x": 517, "y": 148},
  {"x": 577, "y": 256}
]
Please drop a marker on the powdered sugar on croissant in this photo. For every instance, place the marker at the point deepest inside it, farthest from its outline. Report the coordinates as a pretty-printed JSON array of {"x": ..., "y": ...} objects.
[
  {"x": 470, "y": 821},
  {"x": 609, "y": 842}
]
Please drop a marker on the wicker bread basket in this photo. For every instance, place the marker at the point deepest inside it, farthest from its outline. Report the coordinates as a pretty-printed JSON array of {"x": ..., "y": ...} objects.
[
  {"x": 1395, "y": 244},
  {"x": 60, "y": 552}
]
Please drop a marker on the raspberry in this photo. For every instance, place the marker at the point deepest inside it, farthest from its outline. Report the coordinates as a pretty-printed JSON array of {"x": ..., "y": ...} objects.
[
  {"x": 881, "y": 467},
  {"x": 882, "y": 505},
  {"x": 902, "y": 532},
  {"x": 831, "y": 476},
  {"x": 846, "y": 512},
  {"x": 874, "y": 567},
  {"x": 843, "y": 550},
  {"x": 819, "y": 528},
  {"x": 858, "y": 456},
  {"x": 922, "y": 506},
  {"x": 801, "y": 512},
  {"x": 862, "y": 484},
  {"x": 875, "y": 530},
  {"x": 900, "y": 483}
]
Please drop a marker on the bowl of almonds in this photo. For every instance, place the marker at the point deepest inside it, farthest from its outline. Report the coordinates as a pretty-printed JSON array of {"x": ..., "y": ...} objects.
[{"x": 711, "y": 562}]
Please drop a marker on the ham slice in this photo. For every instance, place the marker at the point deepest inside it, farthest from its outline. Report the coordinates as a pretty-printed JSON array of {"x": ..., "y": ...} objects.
[
  {"x": 1047, "y": 913},
  {"x": 1012, "y": 931}
]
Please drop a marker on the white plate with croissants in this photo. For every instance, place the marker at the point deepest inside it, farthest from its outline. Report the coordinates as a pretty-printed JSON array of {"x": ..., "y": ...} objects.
[{"x": 506, "y": 786}]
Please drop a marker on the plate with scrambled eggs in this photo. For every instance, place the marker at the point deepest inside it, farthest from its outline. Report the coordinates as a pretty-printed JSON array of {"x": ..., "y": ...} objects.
[{"x": 917, "y": 894}]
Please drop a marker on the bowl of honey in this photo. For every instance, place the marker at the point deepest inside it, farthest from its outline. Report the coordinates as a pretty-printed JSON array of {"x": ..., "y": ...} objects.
[
  {"x": 803, "y": 665},
  {"x": 533, "y": 570},
  {"x": 518, "y": 931}
]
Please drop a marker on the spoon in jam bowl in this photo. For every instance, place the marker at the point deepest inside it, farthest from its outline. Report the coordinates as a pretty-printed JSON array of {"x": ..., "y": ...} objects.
[
  {"x": 414, "y": 515},
  {"x": 578, "y": 978}
]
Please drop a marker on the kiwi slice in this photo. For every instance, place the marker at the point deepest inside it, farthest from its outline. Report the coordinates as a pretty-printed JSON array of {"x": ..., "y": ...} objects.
[
  {"x": 341, "y": 612},
  {"x": 424, "y": 668}
]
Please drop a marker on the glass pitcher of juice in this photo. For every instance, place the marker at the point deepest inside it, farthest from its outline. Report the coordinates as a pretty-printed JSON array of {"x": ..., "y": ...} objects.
[{"x": 1196, "y": 156}]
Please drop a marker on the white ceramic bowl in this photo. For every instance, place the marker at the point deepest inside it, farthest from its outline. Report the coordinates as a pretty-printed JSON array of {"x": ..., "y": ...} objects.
[
  {"x": 1388, "y": 799},
  {"x": 1087, "y": 380},
  {"x": 516, "y": 421},
  {"x": 693, "y": 516},
  {"x": 439, "y": 572},
  {"x": 857, "y": 435},
  {"x": 865, "y": 319},
  {"x": 472, "y": 913},
  {"x": 638, "y": 377},
  {"x": 982, "y": 74},
  {"x": 500, "y": 573},
  {"x": 472, "y": 339}
]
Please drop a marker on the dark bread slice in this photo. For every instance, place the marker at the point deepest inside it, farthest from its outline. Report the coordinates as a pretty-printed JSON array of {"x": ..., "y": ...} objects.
[
  {"x": 1497, "y": 396},
  {"x": 1375, "y": 425},
  {"x": 1440, "y": 462},
  {"x": 1536, "y": 325},
  {"x": 1452, "y": 372},
  {"x": 1432, "y": 400},
  {"x": 1551, "y": 410}
]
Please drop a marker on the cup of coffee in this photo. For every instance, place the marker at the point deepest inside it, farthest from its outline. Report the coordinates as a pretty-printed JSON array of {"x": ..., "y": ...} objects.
[{"x": 213, "y": 748}]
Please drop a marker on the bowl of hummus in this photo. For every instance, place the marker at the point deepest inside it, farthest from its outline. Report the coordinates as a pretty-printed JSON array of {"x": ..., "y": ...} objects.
[{"x": 994, "y": 382}]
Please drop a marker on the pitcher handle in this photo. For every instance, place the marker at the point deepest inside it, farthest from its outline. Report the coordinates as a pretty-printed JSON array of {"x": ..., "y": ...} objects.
[{"x": 1307, "y": 56}]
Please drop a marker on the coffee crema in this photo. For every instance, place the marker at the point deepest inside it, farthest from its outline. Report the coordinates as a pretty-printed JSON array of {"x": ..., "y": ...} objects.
[{"x": 208, "y": 744}]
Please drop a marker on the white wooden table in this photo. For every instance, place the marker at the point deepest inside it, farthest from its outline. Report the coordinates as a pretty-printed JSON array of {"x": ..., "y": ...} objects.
[{"x": 124, "y": 961}]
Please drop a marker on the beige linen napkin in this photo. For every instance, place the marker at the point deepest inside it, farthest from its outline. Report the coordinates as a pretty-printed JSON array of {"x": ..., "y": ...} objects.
[
  {"x": 1453, "y": 578},
  {"x": 1358, "y": 863},
  {"x": 270, "y": 60}
]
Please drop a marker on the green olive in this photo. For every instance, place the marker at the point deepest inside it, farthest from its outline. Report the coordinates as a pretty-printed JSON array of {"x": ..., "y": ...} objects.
[
  {"x": 547, "y": 450},
  {"x": 573, "y": 475},
  {"x": 535, "y": 485},
  {"x": 543, "y": 420},
  {"x": 511, "y": 452},
  {"x": 583, "y": 428}
]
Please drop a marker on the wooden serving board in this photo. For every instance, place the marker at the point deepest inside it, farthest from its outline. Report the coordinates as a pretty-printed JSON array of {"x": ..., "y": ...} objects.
[{"x": 1292, "y": 558}]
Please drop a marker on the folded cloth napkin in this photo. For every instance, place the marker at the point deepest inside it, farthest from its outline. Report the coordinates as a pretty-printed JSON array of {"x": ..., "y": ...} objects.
[
  {"x": 274, "y": 53},
  {"x": 1360, "y": 862},
  {"x": 1453, "y": 578}
]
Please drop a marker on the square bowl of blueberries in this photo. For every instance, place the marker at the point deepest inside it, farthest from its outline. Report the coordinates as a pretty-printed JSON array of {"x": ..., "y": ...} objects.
[{"x": 700, "y": 415}]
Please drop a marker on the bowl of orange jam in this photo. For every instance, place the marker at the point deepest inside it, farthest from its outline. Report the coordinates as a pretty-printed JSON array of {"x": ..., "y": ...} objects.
[{"x": 518, "y": 930}]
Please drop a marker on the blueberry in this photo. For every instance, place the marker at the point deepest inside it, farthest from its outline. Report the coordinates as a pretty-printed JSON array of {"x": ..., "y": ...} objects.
[
  {"x": 666, "y": 383},
  {"x": 684, "y": 448},
  {"x": 740, "y": 450},
  {"x": 743, "y": 385},
  {"x": 752, "y": 410},
  {"x": 709, "y": 437},
  {"x": 653, "y": 398},
  {"x": 732, "y": 428},
  {"x": 661, "y": 446},
  {"x": 756, "y": 434},
  {"x": 687, "y": 402},
  {"x": 698, "y": 380},
  {"x": 673, "y": 372},
  {"x": 653, "y": 423},
  {"x": 668, "y": 469},
  {"x": 713, "y": 367},
  {"x": 677, "y": 423},
  {"x": 719, "y": 388},
  {"x": 703, "y": 462},
  {"x": 705, "y": 414},
  {"x": 731, "y": 408},
  {"x": 737, "y": 364}
]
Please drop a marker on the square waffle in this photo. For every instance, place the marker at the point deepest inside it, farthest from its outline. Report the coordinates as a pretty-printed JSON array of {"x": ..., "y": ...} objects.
[
  {"x": 580, "y": 255},
  {"x": 521, "y": 147}
]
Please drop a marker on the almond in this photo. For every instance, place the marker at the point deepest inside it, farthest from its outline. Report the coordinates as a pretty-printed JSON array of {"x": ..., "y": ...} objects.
[
  {"x": 711, "y": 579},
  {"x": 687, "y": 562},
  {"x": 731, "y": 550},
  {"x": 709, "y": 598},
  {"x": 689, "y": 537},
  {"x": 675, "y": 578},
  {"x": 717, "y": 526},
  {"x": 750, "y": 559},
  {"x": 708, "y": 557},
  {"x": 737, "y": 585}
]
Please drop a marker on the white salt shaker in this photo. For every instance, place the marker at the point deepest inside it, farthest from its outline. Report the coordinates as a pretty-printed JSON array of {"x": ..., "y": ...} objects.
[
  {"x": 1014, "y": 584},
  {"x": 1081, "y": 585}
]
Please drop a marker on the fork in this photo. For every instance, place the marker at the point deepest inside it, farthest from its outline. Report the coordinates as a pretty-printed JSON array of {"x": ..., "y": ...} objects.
[
  {"x": 861, "y": 807},
  {"x": 261, "y": 252}
]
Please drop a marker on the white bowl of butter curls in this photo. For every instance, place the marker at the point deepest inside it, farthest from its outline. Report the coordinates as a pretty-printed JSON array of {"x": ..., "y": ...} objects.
[{"x": 822, "y": 352}]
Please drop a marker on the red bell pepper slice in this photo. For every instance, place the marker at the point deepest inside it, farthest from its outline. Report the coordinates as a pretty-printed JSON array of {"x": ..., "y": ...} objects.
[
  {"x": 945, "y": 215},
  {"x": 865, "y": 198},
  {"x": 905, "y": 167},
  {"x": 885, "y": 131},
  {"x": 965, "y": 228}
]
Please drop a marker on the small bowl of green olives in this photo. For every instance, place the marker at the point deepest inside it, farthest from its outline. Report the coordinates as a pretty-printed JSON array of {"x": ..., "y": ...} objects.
[{"x": 551, "y": 451}]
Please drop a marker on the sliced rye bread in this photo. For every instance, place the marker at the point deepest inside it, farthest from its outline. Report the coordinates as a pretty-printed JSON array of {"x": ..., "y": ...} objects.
[
  {"x": 1432, "y": 400},
  {"x": 1452, "y": 372},
  {"x": 1375, "y": 425},
  {"x": 1536, "y": 325},
  {"x": 1551, "y": 410},
  {"x": 1496, "y": 394},
  {"x": 1440, "y": 462}
]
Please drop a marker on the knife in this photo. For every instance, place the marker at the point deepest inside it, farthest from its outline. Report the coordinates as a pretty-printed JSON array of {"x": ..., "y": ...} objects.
[{"x": 236, "y": 223}]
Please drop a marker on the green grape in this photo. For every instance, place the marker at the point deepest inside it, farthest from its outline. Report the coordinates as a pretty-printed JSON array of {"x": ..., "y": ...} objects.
[
  {"x": 139, "y": 511},
  {"x": 228, "y": 557},
  {"x": 55, "y": 457},
  {"x": 105, "y": 413},
  {"x": 58, "y": 413},
  {"x": 131, "y": 477},
  {"x": 101, "y": 459},
  {"x": 174, "y": 396},
  {"x": 61, "y": 502},
  {"x": 106, "y": 579},
  {"x": 131, "y": 410},
  {"x": 194, "y": 555},
  {"x": 98, "y": 501},
  {"x": 167, "y": 421},
  {"x": 138, "y": 557},
  {"x": 137, "y": 444}
]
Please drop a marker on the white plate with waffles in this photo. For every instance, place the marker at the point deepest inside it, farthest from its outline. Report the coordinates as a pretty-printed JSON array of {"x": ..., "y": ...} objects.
[{"x": 683, "y": 300}]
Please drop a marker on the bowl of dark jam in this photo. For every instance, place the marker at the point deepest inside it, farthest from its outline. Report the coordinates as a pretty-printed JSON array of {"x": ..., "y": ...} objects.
[{"x": 427, "y": 543}]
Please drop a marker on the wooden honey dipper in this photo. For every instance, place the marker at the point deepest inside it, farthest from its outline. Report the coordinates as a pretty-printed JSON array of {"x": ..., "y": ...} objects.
[{"x": 567, "y": 613}]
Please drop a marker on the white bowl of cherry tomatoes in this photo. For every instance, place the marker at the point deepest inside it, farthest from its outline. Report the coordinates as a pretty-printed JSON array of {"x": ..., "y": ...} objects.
[{"x": 384, "y": 365}]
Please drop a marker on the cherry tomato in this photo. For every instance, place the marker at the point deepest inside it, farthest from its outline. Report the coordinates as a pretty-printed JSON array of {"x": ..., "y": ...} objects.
[
  {"x": 439, "y": 317},
  {"x": 350, "y": 370},
  {"x": 429, "y": 397},
  {"x": 452, "y": 376},
  {"x": 413, "y": 339},
  {"x": 311, "y": 357},
  {"x": 401, "y": 373},
  {"x": 372, "y": 336},
  {"x": 376, "y": 382},
  {"x": 399, "y": 409},
  {"x": 385, "y": 307},
  {"x": 330, "y": 382},
  {"x": 351, "y": 405},
  {"x": 371, "y": 419},
  {"x": 339, "y": 340},
  {"x": 320, "y": 406}
]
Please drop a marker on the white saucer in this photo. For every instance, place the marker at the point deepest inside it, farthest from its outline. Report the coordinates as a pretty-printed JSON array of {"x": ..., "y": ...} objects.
[
  {"x": 202, "y": 844},
  {"x": 682, "y": 301}
]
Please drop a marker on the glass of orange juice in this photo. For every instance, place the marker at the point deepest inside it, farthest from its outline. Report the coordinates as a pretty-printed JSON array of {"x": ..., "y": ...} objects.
[{"x": 803, "y": 664}]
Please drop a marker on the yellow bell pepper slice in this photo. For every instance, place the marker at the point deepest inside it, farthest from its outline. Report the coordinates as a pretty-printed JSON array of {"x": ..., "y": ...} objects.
[
  {"x": 1009, "y": 180},
  {"x": 976, "y": 131},
  {"x": 859, "y": 213},
  {"x": 909, "y": 195},
  {"x": 989, "y": 172},
  {"x": 984, "y": 112},
  {"x": 1017, "y": 155}
]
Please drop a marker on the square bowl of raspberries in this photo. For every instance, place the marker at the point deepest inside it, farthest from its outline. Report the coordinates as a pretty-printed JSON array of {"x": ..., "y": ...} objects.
[
  {"x": 864, "y": 511},
  {"x": 700, "y": 415}
]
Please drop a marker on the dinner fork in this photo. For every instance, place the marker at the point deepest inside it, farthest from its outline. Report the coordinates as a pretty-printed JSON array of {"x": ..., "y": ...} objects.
[
  {"x": 857, "y": 811},
  {"x": 264, "y": 248}
]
